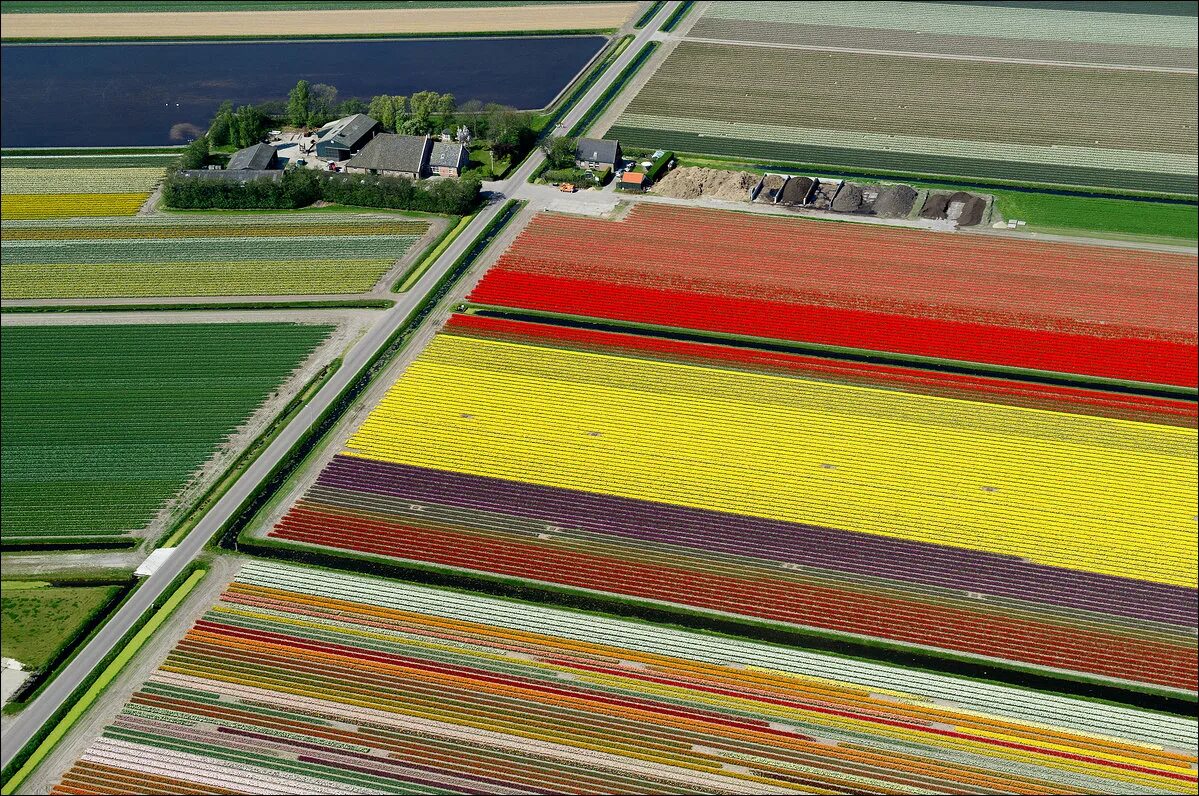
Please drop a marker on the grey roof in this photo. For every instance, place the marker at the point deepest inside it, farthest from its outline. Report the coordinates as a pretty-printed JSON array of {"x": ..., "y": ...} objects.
[
  {"x": 446, "y": 154},
  {"x": 346, "y": 132},
  {"x": 237, "y": 175},
  {"x": 600, "y": 150},
  {"x": 391, "y": 152},
  {"x": 252, "y": 157}
]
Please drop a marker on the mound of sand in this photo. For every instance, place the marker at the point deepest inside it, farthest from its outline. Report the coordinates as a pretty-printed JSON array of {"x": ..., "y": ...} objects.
[
  {"x": 692, "y": 182},
  {"x": 796, "y": 191}
]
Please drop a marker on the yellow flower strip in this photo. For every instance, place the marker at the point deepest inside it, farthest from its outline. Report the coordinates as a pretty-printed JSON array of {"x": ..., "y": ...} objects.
[
  {"x": 67, "y": 205},
  {"x": 1096, "y": 494}
]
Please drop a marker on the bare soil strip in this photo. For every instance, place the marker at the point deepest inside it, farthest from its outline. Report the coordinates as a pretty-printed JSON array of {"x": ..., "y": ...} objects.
[{"x": 582, "y": 16}]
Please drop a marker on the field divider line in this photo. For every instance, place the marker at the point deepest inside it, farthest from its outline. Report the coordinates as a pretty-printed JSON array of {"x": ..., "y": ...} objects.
[
  {"x": 102, "y": 682},
  {"x": 1174, "y": 70}
]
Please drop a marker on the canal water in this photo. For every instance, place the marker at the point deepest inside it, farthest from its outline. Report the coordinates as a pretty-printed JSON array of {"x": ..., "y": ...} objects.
[{"x": 153, "y": 94}]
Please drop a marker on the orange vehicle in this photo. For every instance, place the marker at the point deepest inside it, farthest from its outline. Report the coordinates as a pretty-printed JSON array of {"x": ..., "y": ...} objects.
[{"x": 567, "y": 187}]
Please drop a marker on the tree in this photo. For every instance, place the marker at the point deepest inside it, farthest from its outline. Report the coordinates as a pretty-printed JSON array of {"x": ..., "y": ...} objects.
[
  {"x": 509, "y": 131},
  {"x": 322, "y": 98},
  {"x": 351, "y": 106},
  {"x": 424, "y": 105},
  {"x": 444, "y": 107},
  {"x": 195, "y": 154},
  {"x": 221, "y": 130},
  {"x": 400, "y": 102},
  {"x": 299, "y": 102},
  {"x": 247, "y": 127},
  {"x": 383, "y": 110},
  {"x": 560, "y": 151}
]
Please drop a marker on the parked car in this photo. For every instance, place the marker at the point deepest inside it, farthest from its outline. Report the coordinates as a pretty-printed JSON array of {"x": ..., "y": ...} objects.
[{"x": 567, "y": 187}]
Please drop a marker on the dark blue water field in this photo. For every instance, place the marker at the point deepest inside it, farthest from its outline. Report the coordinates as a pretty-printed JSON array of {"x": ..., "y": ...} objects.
[{"x": 66, "y": 95}]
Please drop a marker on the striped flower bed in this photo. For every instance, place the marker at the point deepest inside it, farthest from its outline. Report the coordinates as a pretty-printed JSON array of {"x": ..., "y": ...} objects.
[
  {"x": 1080, "y": 310},
  {"x": 1049, "y": 538},
  {"x": 208, "y": 255},
  {"x": 298, "y": 681},
  {"x": 40, "y": 191}
]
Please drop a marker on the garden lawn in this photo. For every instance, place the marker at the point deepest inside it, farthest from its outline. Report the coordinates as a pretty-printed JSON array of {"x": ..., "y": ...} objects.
[
  {"x": 39, "y": 623},
  {"x": 103, "y": 424}
]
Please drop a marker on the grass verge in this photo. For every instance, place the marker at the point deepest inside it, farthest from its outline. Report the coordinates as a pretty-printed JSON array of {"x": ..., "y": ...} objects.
[
  {"x": 437, "y": 248},
  {"x": 605, "y": 99},
  {"x": 649, "y": 14},
  {"x": 674, "y": 19},
  {"x": 90, "y": 690},
  {"x": 372, "y": 304}
]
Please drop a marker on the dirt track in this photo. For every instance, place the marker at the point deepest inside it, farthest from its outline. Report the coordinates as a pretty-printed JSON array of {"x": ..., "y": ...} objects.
[{"x": 583, "y": 16}]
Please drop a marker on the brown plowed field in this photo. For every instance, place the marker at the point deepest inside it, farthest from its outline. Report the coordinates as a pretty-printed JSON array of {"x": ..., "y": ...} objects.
[{"x": 582, "y": 16}]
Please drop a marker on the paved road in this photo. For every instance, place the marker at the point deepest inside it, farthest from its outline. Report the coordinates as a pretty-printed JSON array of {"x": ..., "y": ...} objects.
[{"x": 40, "y": 710}]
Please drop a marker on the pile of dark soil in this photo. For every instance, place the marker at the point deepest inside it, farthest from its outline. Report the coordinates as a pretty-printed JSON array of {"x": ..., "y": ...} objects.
[
  {"x": 936, "y": 205},
  {"x": 848, "y": 199},
  {"x": 895, "y": 201},
  {"x": 796, "y": 191},
  {"x": 972, "y": 208}
]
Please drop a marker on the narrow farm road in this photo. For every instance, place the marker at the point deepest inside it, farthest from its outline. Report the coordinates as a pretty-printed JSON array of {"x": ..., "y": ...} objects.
[{"x": 59, "y": 691}]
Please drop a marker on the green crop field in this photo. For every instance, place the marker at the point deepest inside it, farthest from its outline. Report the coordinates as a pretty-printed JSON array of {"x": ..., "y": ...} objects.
[
  {"x": 38, "y": 623},
  {"x": 1080, "y": 35},
  {"x": 1046, "y": 123},
  {"x": 103, "y": 424},
  {"x": 232, "y": 254}
]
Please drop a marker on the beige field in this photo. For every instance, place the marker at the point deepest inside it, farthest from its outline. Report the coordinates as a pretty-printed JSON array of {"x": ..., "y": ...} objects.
[{"x": 581, "y": 16}]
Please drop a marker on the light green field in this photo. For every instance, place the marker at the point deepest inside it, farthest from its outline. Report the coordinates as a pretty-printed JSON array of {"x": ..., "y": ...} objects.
[{"x": 230, "y": 254}]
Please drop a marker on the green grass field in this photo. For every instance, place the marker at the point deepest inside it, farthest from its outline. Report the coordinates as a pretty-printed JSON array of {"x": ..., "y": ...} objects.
[
  {"x": 40, "y": 623},
  {"x": 1116, "y": 217},
  {"x": 103, "y": 424}
]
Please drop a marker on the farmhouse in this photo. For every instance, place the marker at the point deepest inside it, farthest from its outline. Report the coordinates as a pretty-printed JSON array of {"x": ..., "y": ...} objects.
[
  {"x": 340, "y": 139},
  {"x": 393, "y": 156},
  {"x": 258, "y": 157},
  {"x": 411, "y": 156},
  {"x": 448, "y": 160},
  {"x": 594, "y": 153}
]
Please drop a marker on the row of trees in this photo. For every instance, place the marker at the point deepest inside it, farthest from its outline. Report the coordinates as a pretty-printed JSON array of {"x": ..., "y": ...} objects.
[
  {"x": 423, "y": 113},
  {"x": 301, "y": 187}
]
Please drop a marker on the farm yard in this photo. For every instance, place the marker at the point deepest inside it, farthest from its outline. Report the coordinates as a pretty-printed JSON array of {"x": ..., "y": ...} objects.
[
  {"x": 862, "y": 287},
  {"x": 234, "y": 254},
  {"x": 299, "y": 681},
  {"x": 104, "y": 424},
  {"x": 998, "y": 119},
  {"x": 62, "y": 187},
  {"x": 1104, "y": 35},
  {"x": 610, "y": 472}
]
